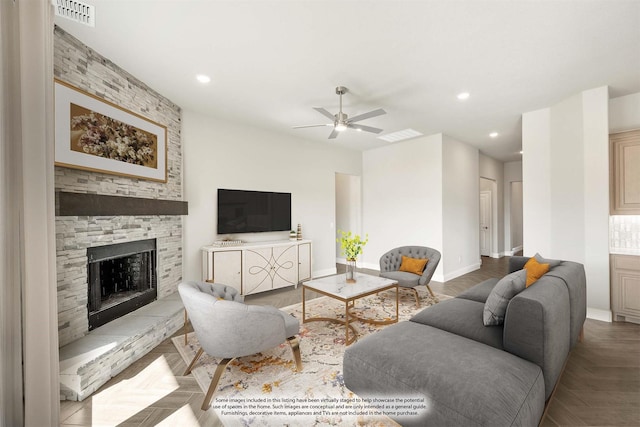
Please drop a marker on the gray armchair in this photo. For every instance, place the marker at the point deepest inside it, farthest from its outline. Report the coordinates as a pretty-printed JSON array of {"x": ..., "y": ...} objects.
[
  {"x": 228, "y": 328},
  {"x": 390, "y": 264}
]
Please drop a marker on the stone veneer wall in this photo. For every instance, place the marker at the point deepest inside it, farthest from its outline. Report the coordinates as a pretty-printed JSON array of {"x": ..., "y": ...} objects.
[{"x": 84, "y": 68}]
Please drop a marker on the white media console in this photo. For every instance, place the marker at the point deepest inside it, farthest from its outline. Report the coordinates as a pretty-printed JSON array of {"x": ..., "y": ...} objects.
[{"x": 258, "y": 267}]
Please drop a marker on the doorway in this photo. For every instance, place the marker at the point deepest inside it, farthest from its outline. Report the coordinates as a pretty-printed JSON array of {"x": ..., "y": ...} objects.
[
  {"x": 516, "y": 217},
  {"x": 348, "y": 207},
  {"x": 485, "y": 223},
  {"x": 488, "y": 225}
]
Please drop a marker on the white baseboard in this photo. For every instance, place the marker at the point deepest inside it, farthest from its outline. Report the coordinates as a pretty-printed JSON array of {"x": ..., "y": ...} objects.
[
  {"x": 460, "y": 272},
  {"x": 599, "y": 314},
  {"x": 497, "y": 254},
  {"x": 369, "y": 265},
  {"x": 360, "y": 264},
  {"x": 513, "y": 251},
  {"x": 325, "y": 272},
  {"x": 436, "y": 277}
]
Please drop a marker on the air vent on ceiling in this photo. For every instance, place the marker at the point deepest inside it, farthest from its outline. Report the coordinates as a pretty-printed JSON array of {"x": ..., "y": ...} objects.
[
  {"x": 76, "y": 11},
  {"x": 400, "y": 135}
]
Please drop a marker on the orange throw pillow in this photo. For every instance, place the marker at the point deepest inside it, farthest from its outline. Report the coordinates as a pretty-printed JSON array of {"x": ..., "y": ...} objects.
[
  {"x": 535, "y": 270},
  {"x": 413, "y": 265}
]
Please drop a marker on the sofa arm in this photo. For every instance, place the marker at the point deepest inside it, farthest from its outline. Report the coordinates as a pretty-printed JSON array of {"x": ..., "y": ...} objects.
[
  {"x": 536, "y": 327},
  {"x": 517, "y": 263}
]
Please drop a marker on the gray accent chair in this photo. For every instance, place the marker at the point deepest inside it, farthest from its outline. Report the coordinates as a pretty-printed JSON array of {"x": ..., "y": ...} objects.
[
  {"x": 390, "y": 263},
  {"x": 227, "y": 328}
]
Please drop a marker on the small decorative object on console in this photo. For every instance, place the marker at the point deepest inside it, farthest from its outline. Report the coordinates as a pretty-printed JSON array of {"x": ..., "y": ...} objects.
[
  {"x": 293, "y": 235},
  {"x": 227, "y": 242},
  {"x": 299, "y": 232}
]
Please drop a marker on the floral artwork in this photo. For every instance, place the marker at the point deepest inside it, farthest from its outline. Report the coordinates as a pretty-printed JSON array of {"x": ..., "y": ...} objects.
[{"x": 96, "y": 134}]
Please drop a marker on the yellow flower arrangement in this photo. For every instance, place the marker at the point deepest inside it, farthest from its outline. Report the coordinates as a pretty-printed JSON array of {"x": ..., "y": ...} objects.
[{"x": 351, "y": 245}]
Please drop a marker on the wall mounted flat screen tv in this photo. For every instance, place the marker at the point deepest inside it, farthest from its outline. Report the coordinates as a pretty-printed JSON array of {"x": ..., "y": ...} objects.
[{"x": 241, "y": 211}]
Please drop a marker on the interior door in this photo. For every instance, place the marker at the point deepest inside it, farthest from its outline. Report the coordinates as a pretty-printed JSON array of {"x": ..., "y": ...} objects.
[{"x": 485, "y": 223}]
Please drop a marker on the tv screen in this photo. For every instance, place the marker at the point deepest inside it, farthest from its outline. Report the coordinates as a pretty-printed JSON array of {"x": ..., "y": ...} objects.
[{"x": 241, "y": 211}]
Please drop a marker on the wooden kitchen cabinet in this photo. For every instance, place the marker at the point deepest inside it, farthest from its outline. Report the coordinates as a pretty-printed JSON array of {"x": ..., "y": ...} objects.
[{"x": 624, "y": 156}]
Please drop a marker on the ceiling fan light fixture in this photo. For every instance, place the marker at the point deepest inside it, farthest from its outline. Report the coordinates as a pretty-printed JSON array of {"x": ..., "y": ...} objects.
[{"x": 341, "y": 121}]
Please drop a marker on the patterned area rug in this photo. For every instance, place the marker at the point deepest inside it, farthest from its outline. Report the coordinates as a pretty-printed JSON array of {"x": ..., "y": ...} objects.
[{"x": 265, "y": 390}]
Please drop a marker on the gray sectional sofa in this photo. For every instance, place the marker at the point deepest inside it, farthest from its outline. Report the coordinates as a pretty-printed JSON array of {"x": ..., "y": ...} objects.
[{"x": 468, "y": 374}]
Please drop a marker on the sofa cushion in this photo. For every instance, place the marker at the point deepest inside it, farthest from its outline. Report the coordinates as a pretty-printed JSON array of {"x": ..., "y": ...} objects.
[
  {"x": 573, "y": 276},
  {"x": 402, "y": 277},
  {"x": 536, "y": 327},
  {"x": 535, "y": 270},
  {"x": 506, "y": 288},
  {"x": 463, "y": 382},
  {"x": 481, "y": 291},
  {"x": 552, "y": 262},
  {"x": 462, "y": 317},
  {"x": 413, "y": 265}
]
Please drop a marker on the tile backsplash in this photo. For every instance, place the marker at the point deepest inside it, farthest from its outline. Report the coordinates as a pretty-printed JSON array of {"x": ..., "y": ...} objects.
[{"x": 624, "y": 234}]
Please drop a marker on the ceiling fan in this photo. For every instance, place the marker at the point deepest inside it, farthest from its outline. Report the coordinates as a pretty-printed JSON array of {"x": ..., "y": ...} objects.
[{"x": 342, "y": 122}]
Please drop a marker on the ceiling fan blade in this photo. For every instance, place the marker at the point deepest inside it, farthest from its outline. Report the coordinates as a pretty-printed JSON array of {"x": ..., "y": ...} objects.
[
  {"x": 333, "y": 134},
  {"x": 324, "y": 112},
  {"x": 312, "y": 126},
  {"x": 374, "y": 113},
  {"x": 364, "y": 128}
]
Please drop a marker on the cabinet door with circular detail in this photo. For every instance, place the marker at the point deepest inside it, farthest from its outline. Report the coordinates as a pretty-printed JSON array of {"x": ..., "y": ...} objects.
[
  {"x": 285, "y": 266},
  {"x": 270, "y": 268}
]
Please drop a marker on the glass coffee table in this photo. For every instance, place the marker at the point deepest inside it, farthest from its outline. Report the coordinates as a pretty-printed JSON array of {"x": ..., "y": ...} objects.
[{"x": 336, "y": 287}]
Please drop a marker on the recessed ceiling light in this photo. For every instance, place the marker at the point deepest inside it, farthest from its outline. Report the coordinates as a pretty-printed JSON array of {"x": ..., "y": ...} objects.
[
  {"x": 401, "y": 135},
  {"x": 462, "y": 96},
  {"x": 493, "y": 134},
  {"x": 202, "y": 78}
]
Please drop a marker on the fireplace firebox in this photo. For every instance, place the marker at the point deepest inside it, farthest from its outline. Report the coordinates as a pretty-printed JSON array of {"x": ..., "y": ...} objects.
[{"x": 122, "y": 278}]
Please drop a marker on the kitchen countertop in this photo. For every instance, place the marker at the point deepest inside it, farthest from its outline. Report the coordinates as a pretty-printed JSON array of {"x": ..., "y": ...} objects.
[{"x": 624, "y": 251}]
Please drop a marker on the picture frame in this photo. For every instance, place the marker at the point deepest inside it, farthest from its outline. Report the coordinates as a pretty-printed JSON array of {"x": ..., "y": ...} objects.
[{"x": 96, "y": 135}]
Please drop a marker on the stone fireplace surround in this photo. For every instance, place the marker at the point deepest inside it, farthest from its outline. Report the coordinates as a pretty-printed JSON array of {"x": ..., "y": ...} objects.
[{"x": 89, "y": 359}]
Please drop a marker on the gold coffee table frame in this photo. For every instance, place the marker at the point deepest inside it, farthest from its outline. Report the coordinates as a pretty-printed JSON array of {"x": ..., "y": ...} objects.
[{"x": 336, "y": 287}]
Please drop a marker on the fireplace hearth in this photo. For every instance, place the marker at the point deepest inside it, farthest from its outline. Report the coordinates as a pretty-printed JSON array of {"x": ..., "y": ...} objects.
[{"x": 122, "y": 278}]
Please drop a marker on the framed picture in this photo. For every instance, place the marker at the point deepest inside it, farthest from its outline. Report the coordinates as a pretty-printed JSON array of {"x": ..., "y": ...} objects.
[{"x": 97, "y": 135}]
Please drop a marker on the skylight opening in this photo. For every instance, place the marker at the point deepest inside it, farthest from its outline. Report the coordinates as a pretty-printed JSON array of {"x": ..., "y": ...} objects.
[{"x": 400, "y": 135}]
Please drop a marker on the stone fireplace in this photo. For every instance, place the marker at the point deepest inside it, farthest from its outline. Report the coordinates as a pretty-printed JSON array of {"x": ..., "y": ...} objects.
[
  {"x": 97, "y": 212},
  {"x": 122, "y": 278}
]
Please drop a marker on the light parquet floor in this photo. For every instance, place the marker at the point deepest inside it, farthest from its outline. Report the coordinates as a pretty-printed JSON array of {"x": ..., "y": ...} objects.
[{"x": 600, "y": 385}]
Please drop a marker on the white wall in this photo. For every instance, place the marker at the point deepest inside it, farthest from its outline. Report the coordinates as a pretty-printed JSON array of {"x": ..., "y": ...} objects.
[
  {"x": 624, "y": 113},
  {"x": 512, "y": 207},
  {"x": 402, "y": 197},
  {"x": 460, "y": 208},
  {"x": 493, "y": 170},
  {"x": 348, "y": 207},
  {"x": 218, "y": 154},
  {"x": 566, "y": 234},
  {"x": 595, "y": 112},
  {"x": 515, "y": 217},
  {"x": 566, "y": 192},
  {"x": 536, "y": 181},
  {"x": 30, "y": 390}
]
